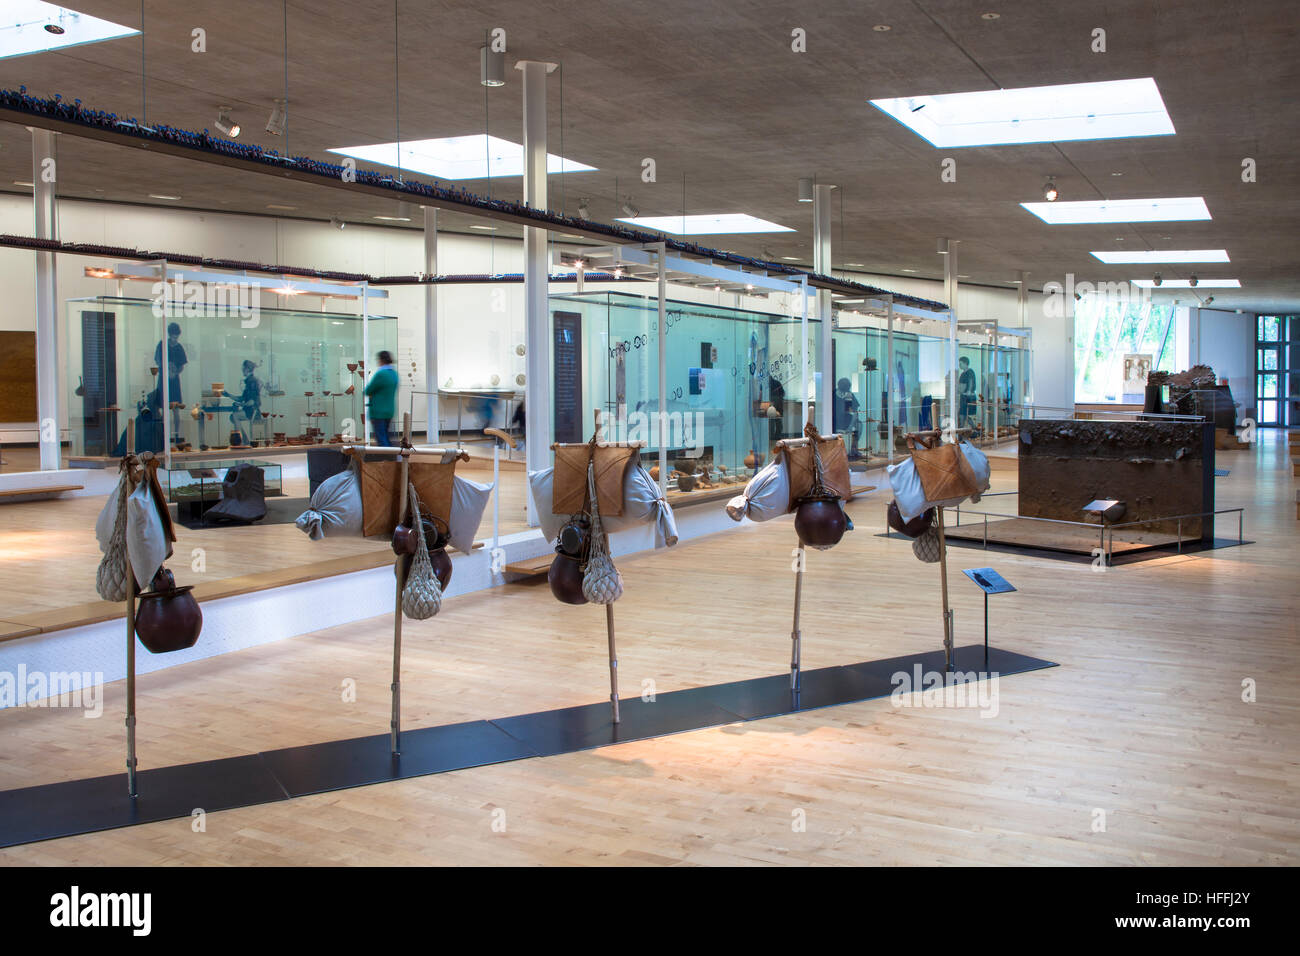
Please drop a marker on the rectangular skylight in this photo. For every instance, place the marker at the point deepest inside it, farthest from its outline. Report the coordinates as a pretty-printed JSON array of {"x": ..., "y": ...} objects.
[
  {"x": 718, "y": 224},
  {"x": 32, "y": 26},
  {"x": 1113, "y": 109},
  {"x": 477, "y": 156},
  {"x": 1119, "y": 210},
  {"x": 1187, "y": 284},
  {"x": 1159, "y": 256}
]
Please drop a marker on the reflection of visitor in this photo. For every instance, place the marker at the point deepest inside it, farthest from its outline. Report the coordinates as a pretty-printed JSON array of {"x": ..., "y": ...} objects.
[
  {"x": 776, "y": 425},
  {"x": 967, "y": 389},
  {"x": 518, "y": 423},
  {"x": 381, "y": 391},
  {"x": 176, "y": 361},
  {"x": 844, "y": 414},
  {"x": 248, "y": 406}
]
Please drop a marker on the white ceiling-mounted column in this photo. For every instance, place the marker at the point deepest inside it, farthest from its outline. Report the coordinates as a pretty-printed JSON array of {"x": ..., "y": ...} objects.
[
  {"x": 432, "y": 422},
  {"x": 537, "y": 325},
  {"x": 822, "y": 265},
  {"x": 948, "y": 249},
  {"x": 1026, "y": 371},
  {"x": 44, "y": 177}
]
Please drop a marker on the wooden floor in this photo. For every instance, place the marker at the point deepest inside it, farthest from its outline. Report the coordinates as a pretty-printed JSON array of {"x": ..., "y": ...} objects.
[{"x": 1144, "y": 722}]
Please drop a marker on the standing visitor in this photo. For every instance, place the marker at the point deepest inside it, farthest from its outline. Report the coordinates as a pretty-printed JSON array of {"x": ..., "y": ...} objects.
[{"x": 381, "y": 393}]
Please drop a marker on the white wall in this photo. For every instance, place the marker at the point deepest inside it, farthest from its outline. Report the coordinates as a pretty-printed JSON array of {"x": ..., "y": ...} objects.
[{"x": 1225, "y": 341}]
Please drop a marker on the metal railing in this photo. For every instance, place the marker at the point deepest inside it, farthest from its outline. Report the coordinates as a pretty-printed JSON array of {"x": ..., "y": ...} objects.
[{"x": 1106, "y": 532}]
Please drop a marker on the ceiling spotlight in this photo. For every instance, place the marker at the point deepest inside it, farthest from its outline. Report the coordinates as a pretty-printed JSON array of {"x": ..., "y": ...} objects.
[
  {"x": 630, "y": 210},
  {"x": 338, "y": 223},
  {"x": 1194, "y": 281},
  {"x": 584, "y": 212},
  {"x": 990, "y": 16},
  {"x": 226, "y": 124},
  {"x": 1209, "y": 300},
  {"x": 1158, "y": 279},
  {"x": 943, "y": 247},
  {"x": 1050, "y": 192},
  {"x": 54, "y": 28},
  {"x": 805, "y": 190},
  {"x": 279, "y": 119},
  {"x": 492, "y": 66},
  {"x": 882, "y": 28}
]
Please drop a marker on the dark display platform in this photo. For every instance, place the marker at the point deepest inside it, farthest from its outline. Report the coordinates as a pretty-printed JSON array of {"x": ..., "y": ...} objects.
[{"x": 100, "y": 803}]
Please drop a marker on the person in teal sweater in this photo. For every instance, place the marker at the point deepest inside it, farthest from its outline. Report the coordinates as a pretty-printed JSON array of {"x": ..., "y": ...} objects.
[{"x": 382, "y": 394}]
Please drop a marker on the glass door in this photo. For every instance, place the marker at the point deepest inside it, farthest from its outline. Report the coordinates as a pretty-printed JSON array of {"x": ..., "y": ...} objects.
[{"x": 1270, "y": 399}]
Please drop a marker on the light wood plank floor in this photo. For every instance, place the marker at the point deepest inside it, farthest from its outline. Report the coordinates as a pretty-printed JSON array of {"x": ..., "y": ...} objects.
[{"x": 1144, "y": 720}]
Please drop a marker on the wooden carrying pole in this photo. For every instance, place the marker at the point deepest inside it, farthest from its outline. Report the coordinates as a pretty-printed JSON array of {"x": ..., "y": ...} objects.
[
  {"x": 129, "y": 465},
  {"x": 948, "y": 636},
  {"x": 395, "y": 722}
]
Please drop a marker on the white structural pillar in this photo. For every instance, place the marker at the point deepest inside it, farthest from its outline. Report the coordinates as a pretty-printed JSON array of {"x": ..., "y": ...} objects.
[
  {"x": 662, "y": 340},
  {"x": 822, "y": 265},
  {"x": 537, "y": 325},
  {"x": 890, "y": 384},
  {"x": 1026, "y": 370},
  {"x": 948, "y": 248},
  {"x": 431, "y": 419},
  {"x": 44, "y": 176}
]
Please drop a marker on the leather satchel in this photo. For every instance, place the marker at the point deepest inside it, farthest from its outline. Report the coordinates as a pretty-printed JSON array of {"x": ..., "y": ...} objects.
[
  {"x": 433, "y": 482},
  {"x": 569, "y": 484},
  {"x": 942, "y": 469},
  {"x": 801, "y": 466}
]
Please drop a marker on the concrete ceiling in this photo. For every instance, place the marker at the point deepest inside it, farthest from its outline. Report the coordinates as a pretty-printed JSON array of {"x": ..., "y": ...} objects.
[{"x": 732, "y": 117}]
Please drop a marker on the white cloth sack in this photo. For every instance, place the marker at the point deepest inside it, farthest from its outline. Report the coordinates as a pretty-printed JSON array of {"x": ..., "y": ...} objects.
[
  {"x": 468, "y": 501},
  {"x": 766, "y": 496},
  {"x": 107, "y": 516},
  {"x": 541, "y": 487},
  {"x": 335, "y": 508},
  {"x": 641, "y": 504},
  {"x": 909, "y": 494},
  {"x": 147, "y": 546}
]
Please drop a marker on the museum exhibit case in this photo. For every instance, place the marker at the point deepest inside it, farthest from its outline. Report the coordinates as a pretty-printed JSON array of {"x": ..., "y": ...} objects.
[
  {"x": 734, "y": 381},
  {"x": 281, "y": 377}
]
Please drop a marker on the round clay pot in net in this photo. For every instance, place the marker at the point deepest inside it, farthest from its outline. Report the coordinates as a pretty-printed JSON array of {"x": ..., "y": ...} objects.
[
  {"x": 565, "y": 578},
  {"x": 820, "y": 522},
  {"x": 914, "y": 528},
  {"x": 441, "y": 562},
  {"x": 168, "y": 620}
]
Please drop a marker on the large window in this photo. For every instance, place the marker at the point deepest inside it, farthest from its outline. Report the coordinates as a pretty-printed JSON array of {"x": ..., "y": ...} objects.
[
  {"x": 1277, "y": 370},
  {"x": 1117, "y": 341}
]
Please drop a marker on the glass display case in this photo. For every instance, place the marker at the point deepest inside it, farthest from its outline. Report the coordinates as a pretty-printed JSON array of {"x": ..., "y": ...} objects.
[
  {"x": 734, "y": 381},
  {"x": 284, "y": 377}
]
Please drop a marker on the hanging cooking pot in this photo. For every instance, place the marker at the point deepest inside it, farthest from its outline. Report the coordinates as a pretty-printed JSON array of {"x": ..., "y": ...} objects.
[
  {"x": 565, "y": 578},
  {"x": 404, "y": 537},
  {"x": 820, "y": 522},
  {"x": 441, "y": 562},
  {"x": 914, "y": 528},
  {"x": 168, "y": 617}
]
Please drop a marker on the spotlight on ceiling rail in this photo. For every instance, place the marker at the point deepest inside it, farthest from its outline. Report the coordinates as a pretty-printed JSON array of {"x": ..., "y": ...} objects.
[
  {"x": 1157, "y": 279},
  {"x": 1050, "y": 191},
  {"x": 1194, "y": 282},
  {"x": 226, "y": 124},
  {"x": 492, "y": 66},
  {"x": 584, "y": 210},
  {"x": 806, "y": 189},
  {"x": 630, "y": 210}
]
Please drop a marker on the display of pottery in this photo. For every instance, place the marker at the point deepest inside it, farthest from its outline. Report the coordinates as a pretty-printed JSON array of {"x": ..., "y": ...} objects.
[
  {"x": 168, "y": 617},
  {"x": 684, "y": 482},
  {"x": 751, "y": 460},
  {"x": 820, "y": 522},
  {"x": 565, "y": 579},
  {"x": 218, "y": 388},
  {"x": 914, "y": 528},
  {"x": 654, "y": 472}
]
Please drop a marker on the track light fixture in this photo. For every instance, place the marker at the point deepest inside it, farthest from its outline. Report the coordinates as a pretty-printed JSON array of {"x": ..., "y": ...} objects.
[
  {"x": 584, "y": 211},
  {"x": 1209, "y": 300},
  {"x": 1050, "y": 191},
  {"x": 1193, "y": 281},
  {"x": 492, "y": 66},
  {"x": 226, "y": 124},
  {"x": 1158, "y": 279},
  {"x": 338, "y": 223},
  {"x": 806, "y": 190},
  {"x": 630, "y": 210},
  {"x": 279, "y": 119}
]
